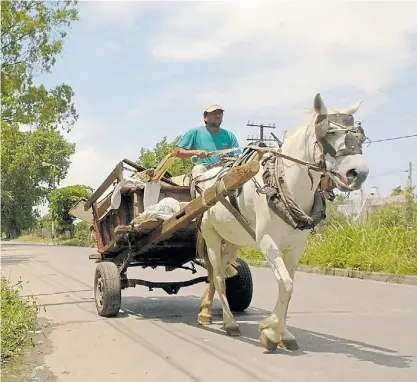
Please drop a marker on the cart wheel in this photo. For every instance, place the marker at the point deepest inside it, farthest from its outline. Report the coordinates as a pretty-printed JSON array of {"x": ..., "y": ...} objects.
[
  {"x": 239, "y": 288},
  {"x": 107, "y": 289}
]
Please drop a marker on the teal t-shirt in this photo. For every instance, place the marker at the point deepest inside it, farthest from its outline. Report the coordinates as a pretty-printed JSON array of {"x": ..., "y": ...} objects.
[{"x": 201, "y": 138}]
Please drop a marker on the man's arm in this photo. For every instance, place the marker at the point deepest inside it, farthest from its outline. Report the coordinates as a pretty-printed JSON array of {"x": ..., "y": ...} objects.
[
  {"x": 180, "y": 152},
  {"x": 185, "y": 147}
]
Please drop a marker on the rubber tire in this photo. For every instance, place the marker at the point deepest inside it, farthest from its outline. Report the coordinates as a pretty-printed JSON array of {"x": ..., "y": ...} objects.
[
  {"x": 239, "y": 288},
  {"x": 112, "y": 291}
]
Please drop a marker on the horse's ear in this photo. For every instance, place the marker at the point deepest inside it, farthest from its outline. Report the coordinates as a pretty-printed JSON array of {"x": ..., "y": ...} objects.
[
  {"x": 352, "y": 109},
  {"x": 319, "y": 106}
]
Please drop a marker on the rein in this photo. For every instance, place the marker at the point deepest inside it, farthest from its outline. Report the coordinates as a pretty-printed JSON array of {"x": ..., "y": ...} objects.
[{"x": 279, "y": 196}]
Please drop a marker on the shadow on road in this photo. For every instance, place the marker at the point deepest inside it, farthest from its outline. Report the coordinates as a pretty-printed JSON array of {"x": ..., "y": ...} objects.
[
  {"x": 184, "y": 309},
  {"x": 18, "y": 259}
]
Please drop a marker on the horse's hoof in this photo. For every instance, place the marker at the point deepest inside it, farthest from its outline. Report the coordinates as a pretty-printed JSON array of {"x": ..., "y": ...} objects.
[
  {"x": 288, "y": 344},
  {"x": 204, "y": 319},
  {"x": 233, "y": 331},
  {"x": 267, "y": 343}
]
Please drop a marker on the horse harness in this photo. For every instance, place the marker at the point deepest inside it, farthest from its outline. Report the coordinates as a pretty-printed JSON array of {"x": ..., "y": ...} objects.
[{"x": 279, "y": 196}]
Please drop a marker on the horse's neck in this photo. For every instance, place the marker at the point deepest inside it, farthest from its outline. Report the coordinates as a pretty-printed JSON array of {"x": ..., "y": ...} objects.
[{"x": 300, "y": 144}]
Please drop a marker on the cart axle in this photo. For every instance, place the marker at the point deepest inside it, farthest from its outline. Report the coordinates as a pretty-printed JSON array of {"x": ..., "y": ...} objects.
[{"x": 168, "y": 287}]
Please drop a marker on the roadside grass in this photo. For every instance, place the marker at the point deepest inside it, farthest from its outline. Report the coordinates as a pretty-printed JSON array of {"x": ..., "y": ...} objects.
[
  {"x": 75, "y": 241},
  {"x": 18, "y": 319},
  {"x": 386, "y": 241}
]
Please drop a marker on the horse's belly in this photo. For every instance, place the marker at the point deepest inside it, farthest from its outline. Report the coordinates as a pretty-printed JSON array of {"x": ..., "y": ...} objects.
[{"x": 233, "y": 232}]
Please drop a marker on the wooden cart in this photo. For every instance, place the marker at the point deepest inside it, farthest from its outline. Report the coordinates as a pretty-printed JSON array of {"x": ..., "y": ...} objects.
[{"x": 155, "y": 243}]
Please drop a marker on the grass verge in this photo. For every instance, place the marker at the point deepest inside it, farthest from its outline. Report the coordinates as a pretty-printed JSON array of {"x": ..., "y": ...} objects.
[
  {"x": 385, "y": 242},
  {"x": 18, "y": 319},
  {"x": 77, "y": 242}
]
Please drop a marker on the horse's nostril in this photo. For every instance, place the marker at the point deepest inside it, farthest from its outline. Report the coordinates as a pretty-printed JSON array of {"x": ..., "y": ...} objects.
[{"x": 352, "y": 174}]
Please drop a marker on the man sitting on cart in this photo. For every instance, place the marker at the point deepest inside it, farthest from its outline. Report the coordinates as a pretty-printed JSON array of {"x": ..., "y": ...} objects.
[{"x": 200, "y": 141}]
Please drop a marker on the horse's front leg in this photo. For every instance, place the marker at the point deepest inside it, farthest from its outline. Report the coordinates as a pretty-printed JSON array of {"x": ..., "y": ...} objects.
[
  {"x": 291, "y": 258},
  {"x": 273, "y": 328},
  {"x": 280, "y": 311}
]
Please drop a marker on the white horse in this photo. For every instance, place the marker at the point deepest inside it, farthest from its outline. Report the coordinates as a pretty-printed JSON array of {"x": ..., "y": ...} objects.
[{"x": 329, "y": 143}]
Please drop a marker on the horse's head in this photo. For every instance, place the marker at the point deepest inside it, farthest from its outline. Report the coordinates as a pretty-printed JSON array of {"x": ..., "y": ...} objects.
[{"x": 341, "y": 144}]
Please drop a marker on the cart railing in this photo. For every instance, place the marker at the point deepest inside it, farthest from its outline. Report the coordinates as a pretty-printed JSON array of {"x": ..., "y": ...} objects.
[{"x": 233, "y": 180}]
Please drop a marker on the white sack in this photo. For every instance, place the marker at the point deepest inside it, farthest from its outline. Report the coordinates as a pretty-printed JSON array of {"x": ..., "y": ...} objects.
[{"x": 163, "y": 210}]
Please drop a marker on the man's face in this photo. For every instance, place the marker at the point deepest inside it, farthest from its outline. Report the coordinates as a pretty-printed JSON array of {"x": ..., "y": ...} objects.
[{"x": 214, "y": 118}]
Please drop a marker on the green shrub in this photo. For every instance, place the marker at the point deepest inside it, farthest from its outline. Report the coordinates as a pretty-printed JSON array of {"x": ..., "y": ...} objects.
[
  {"x": 385, "y": 242},
  {"x": 18, "y": 319}
]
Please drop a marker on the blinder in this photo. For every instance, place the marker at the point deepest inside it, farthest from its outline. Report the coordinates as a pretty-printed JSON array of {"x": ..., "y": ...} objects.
[{"x": 354, "y": 138}]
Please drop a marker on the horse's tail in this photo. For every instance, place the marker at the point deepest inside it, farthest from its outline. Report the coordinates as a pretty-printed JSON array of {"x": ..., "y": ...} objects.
[{"x": 203, "y": 255}]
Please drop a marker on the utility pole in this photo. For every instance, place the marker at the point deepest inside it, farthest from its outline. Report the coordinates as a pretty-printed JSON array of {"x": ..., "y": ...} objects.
[
  {"x": 261, "y": 131},
  {"x": 410, "y": 178},
  {"x": 53, "y": 167},
  {"x": 409, "y": 196}
]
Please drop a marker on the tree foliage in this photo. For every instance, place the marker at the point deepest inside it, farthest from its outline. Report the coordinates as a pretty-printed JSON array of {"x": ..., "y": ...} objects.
[
  {"x": 32, "y": 117},
  {"x": 61, "y": 201},
  {"x": 32, "y": 37},
  {"x": 151, "y": 158},
  {"x": 26, "y": 179}
]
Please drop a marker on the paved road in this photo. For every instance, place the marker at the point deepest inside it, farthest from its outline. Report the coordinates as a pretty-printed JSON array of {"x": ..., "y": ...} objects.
[{"x": 347, "y": 329}]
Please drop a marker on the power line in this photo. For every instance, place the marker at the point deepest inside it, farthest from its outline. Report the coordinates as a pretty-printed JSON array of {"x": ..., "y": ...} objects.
[
  {"x": 389, "y": 173},
  {"x": 391, "y": 139}
]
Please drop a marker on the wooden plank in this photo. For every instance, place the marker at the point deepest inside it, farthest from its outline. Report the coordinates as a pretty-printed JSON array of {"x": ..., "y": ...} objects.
[
  {"x": 232, "y": 181},
  {"x": 136, "y": 205},
  {"x": 115, "y": 174},
  {"x": 104, "y": 205},
  {"x": 163, "y": 167},
  {"x": 95, "y": 256},
  {"x": 97, "y": 227},
  {"x": 175, "y": 188},
  {"x": 147, "y": 225}
]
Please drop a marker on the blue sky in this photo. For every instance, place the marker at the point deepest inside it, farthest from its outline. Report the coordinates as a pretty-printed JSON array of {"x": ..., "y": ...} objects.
[{"x": 144, "y": 70}]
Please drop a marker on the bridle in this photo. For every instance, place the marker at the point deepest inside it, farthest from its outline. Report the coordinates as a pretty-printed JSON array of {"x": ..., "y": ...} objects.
[
  {"x": 325, "y": 125},
  {"x": 279, "y": 197}
]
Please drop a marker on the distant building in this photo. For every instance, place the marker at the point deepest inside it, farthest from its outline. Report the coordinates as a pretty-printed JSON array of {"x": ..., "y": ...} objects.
[{"x": 360, "y": 204}]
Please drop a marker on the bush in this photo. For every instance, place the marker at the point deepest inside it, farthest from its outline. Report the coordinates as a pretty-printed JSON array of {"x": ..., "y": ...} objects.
[
  {"x": 18, "y": 319},
  {"x": 385, "y": 242}
]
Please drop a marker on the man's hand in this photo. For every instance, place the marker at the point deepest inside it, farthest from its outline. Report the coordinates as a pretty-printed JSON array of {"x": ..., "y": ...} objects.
[
  {"x": 201, "y": 153},
  {"x": 183, "y": 153}
]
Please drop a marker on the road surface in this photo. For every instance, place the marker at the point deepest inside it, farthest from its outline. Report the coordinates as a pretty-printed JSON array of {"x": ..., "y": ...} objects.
[{"x": 347, "y": 329}]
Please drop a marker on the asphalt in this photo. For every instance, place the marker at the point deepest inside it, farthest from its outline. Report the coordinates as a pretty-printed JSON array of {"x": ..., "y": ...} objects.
[{"x": 347, "y": 329}]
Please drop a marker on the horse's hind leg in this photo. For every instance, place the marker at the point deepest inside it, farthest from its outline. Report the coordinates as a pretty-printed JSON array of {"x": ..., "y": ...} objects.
[
  {"x": 204, "y": 316},
  {"x": 229, "y": 254},
  {"x": 214, "y": 252}
]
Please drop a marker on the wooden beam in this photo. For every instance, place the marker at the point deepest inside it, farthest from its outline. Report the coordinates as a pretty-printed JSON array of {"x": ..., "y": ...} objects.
[
  {"x": 232, "y": 181},
  {"x": 115, "y": 174},
  {"x": 163, "y": 167},
  {"x": 97, "y": 227}
]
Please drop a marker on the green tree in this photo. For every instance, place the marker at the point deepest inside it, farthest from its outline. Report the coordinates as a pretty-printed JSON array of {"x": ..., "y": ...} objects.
[
  {"x": 32, "y": 34},
  {"x": 32, "y": 163},
  {"x": 151, "y": 158},
  {"x": 61, "y": 201}
]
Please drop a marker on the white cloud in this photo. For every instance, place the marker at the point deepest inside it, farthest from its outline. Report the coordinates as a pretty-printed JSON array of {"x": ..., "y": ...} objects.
[
  {"x": 280, "y": 54},
  {"x": 86, "y": 128},
  {"x": 89, "y": 166},
  {"x": 92, "y": 161},
  {"x": 111, "y": 13}
]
